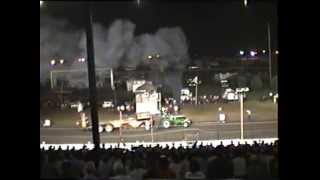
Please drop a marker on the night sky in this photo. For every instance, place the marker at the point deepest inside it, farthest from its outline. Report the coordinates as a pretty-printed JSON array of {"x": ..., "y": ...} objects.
[{"x": 212, "y": 29}]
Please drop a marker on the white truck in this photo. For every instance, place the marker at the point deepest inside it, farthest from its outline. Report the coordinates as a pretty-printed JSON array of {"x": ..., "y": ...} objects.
[
  {"x": 186, "y": 95},
  {"x": 231, "y": 95}
]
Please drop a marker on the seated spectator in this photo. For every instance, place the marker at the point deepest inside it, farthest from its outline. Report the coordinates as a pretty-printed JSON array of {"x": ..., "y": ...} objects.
[
  {"x": 195, "y": 172},
  {"x": 68, "y": 171},
  {"x": 239, "y": 166},
  {"x": 164, "y": 170},
  {"x": 90, "y": 171},
  {"x": 138, "y": 170},
  {"x": 175, "y": 166},
  {"x": 259, "y": 161},
  {"x": 255, "y": 168}
]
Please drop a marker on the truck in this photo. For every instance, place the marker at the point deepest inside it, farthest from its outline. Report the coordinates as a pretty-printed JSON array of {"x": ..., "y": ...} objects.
[
  {"x": 231, "y": 95},
  {"x": 186, "y": 95},
  {"x": 141, "y": 120}
]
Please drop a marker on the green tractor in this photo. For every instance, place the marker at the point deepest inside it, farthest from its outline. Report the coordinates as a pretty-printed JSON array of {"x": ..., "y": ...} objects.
[{"x": 175, "y": 120}]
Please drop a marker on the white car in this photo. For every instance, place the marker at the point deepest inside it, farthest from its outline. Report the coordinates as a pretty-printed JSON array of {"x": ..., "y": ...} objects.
[{"x": 107, "y": 104}]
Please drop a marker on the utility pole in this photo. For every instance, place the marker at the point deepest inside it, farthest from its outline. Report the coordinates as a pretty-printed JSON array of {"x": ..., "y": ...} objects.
[
  {"x": 270, "y": 54},
  {"x": 92, "y": 78}
]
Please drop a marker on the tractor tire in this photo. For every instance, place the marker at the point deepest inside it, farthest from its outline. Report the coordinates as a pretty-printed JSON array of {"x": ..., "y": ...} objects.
[
  {"x": 166, "y": 124},
  {"x": 186, "y": 124},
  {"x": 109, "y": 128},
  {"x": 101, "y": 129}
]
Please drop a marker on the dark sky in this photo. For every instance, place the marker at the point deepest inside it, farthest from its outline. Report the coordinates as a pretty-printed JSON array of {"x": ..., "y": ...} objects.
[{"x": 212, "y": 29}]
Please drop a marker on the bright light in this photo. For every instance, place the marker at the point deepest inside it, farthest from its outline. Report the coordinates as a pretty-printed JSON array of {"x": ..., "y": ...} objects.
[
  {"x": 241, "y": 53},
  {"x": 61, "y": 61},
  {"x": 245, "y": 3},
  {"x": 277, "y": 52},
  {"x": 264, "y": 51},
  {"x": 149, "y": 57},
  {"x": 81, "y": 59},
  {"x": 53, "y": 62},
  {"x": 41, "y": 2},
  {"x": 121, "y": 108},
  {"x": 252, "y": 53},
  {"x": 158, "y": 56}
]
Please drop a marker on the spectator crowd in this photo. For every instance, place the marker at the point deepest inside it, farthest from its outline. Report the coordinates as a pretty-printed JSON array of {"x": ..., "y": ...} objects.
[{"x": 241, "y": 161}]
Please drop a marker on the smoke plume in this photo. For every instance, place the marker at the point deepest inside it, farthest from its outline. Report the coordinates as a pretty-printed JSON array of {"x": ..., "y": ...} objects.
[{"x": 117, "y": 45}]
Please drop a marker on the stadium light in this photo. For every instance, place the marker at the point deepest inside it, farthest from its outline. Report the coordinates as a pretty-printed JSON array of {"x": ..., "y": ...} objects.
[
  {"x": 264, "y": 51},
  {"x": 81, "y": 60},
  {"x": 53, "y": 62},
  {"x": 61, "y": 61},
  {"x": 41, "y": 3},
  {"x": 157, "y": 56},
  {"x": 245, "y": 2},
  {"x": 253, "y": 53},
  {"x": 149, "y": 57},
  {"x": 277, "y": 52},
  {"x": 241, "y": 53}
]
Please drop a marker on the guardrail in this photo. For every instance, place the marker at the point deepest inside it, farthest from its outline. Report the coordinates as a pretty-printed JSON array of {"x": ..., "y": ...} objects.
[{"x": 176, "y": 144}]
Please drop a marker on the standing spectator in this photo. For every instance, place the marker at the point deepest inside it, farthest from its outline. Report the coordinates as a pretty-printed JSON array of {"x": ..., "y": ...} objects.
[
  {"x": 80, "y": 107},
  {"x": 222, "y": 115},
  {"x": 248, "y": 111}
]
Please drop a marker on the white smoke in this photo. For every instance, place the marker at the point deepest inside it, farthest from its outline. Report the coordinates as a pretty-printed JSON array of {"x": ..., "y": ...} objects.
[{"x": 114, "y": 46}]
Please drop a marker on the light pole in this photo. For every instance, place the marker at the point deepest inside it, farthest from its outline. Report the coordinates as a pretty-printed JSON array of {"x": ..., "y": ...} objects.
[
  {"x": 120, "y": 109},
  {"x": 241, "y": 92}
]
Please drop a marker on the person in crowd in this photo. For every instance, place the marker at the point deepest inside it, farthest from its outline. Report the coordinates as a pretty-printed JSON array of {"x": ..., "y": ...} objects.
[
  {"x": 90, "y": 171},
  {"x": 257, "y": 161},
  {"x": 164, "y": 170},
  {"x": 248, "y": 111},
  {"x": 138, "y": 170},
  {"x": 195, "y": 172},
  {"x": 239, "y": 166}
]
